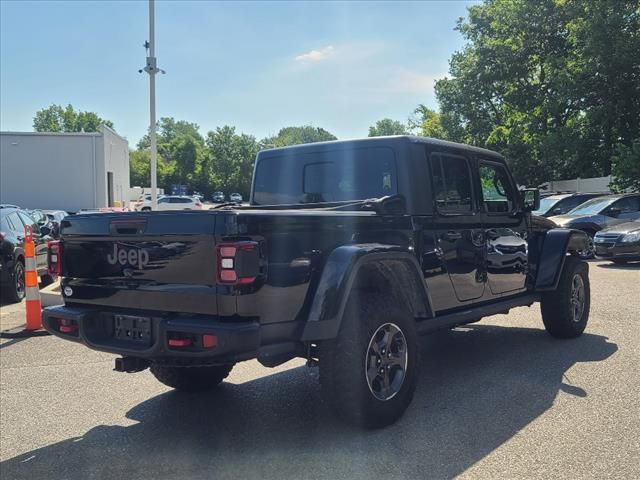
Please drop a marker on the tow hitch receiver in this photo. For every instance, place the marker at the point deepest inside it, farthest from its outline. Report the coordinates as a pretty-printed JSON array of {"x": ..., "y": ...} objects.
[{"x": 130, "y": 364}]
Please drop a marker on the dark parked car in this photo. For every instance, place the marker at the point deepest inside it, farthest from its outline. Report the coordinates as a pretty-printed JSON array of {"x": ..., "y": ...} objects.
[
  {"x": 598, "y": 213},
  {"x": 346, "y": 253},
  {"x": 12, "y": 232},
  {"x": 560, "y": 204},
  {"x": 620, "y": 243},
  {"x": 218, "y": 197}
]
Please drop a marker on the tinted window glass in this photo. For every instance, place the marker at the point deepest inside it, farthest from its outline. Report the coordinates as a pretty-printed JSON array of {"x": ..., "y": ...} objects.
[
  {"x": 15, "y": 223},
  {"x": 5, "y": 224},
  {"x": 328, "y": 176},
  {"x": 451, "y": 183},
  {"x": 571, "y": 203},
  {"x": 628, "y": 204},
  {"x": 497, "y": 192},
  {"x": 27, "y": 220},
  {"x": 164, "y": 200}
]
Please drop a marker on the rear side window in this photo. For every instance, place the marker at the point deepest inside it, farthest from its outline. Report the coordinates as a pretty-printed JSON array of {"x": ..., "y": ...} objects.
[
  {"x": 451, "y": 183},
  {"x": 498, "y": 195},
  {"x": 325, "y": 176},
  {"x": 14, "y": 222}
]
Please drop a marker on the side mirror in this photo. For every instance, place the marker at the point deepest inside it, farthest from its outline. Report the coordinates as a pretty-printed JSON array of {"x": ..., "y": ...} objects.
[
  {"x": 530, "y": 199},
  {"x": 557, "y": 211},
  {"x": 614, "y": 212},
  {"x": 44, "y": 231}
]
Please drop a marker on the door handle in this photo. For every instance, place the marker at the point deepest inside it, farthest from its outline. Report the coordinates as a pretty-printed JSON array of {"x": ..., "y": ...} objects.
[{"x": 451, "y": 236}]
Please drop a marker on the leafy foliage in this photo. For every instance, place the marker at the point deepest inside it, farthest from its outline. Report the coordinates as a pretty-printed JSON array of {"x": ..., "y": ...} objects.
[
  {"x": 386, "y": 126},
  {"x": 56, "y": 118},
  {"x": 298, "y": 135},
  {"x": 552, "y": 84},
  {"x": 626, "y": 168}
]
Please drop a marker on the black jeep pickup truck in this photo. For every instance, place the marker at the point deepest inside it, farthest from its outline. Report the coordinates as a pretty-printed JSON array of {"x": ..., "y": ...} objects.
[{"x": 347, "y": 252}]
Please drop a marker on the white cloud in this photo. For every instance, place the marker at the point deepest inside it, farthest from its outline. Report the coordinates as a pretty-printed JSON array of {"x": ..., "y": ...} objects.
[
  {"x": 316, "y": 55},
  {"x": 408, "y": 81}
]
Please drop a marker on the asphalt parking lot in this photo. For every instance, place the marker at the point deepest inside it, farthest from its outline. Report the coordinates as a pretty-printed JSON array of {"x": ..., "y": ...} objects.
[{"x": 498, "y": 399}]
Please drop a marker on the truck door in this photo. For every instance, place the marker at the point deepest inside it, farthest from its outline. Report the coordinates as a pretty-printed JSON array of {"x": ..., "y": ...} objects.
[
  {"x": 457, "y": 226},
  {"x": 505, "y": 229}
]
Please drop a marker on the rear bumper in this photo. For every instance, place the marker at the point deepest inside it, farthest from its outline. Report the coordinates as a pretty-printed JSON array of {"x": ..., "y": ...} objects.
[{"x": 95, "y": 328}]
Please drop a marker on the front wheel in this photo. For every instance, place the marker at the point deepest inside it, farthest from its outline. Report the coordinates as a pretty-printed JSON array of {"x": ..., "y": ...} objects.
[
  {"x": 191, "y": 379},
  {"x": 369, "y": 372},
  {"x": 565, "y": 311},
  {"x": 589, "y": 252}
]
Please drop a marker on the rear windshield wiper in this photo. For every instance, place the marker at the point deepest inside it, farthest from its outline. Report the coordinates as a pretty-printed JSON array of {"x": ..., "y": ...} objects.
[{"x": 387, "y": 205}]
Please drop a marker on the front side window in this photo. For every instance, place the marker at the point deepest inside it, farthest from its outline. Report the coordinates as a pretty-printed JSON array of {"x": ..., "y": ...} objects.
[
  {"x": 498, "y": 195},
  {"x": 451, "y": 183}
]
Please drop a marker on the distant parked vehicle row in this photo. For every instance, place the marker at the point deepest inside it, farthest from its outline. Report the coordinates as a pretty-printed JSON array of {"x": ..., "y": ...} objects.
[
  {"x": 219, "y": 197},
  {"x": 171, "y": 202},
  {"x": 599, "y": 213}
]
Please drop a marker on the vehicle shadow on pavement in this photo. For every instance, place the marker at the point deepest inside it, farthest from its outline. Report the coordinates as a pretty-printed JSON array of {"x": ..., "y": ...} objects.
[
  {"x": 479, "y": 386},
  {"x": 620, "y": 266}
]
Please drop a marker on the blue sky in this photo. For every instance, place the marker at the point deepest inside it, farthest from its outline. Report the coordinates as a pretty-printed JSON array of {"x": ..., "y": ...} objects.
[{"x": 258, "y": 66}]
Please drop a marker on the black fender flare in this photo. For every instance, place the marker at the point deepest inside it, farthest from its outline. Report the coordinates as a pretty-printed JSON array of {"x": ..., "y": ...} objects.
[
  {"x": 556, "y": 244},
  {"x": 341, "y": 271}
]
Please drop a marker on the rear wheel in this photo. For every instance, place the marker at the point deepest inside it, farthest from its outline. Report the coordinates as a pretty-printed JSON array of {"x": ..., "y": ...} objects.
[
  {"x": 145, "y": 209},
  {"x": 191, "y": 379},
  {"x": 565, "y": 311},
  {"x": 46, "y": 280},
  {"x": 369, "y": 372},
  {"x": 14, "y": 289}
]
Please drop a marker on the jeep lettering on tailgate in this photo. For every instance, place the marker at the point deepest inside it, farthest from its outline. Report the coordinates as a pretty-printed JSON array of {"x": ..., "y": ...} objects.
[{"x": 136, "y": 257}]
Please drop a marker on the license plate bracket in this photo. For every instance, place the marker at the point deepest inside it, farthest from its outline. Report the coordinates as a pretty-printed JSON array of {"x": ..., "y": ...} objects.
[{"x": 131, "y": 328}]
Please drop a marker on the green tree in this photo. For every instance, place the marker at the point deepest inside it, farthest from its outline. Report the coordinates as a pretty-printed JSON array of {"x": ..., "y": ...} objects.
[
  {"x": 552, "y": 84},
  {"x": 181, "y": 146},
  {"x": 139, "y": 169},
  {"x": 231, "y": 157},
  {"x": 56, "y": 118},
  {"x": 386, "y": 126},
  {"x": 298, "y": 135},
  {"x": 426, "y": 122},
  {"x": 626, "y": 167}
]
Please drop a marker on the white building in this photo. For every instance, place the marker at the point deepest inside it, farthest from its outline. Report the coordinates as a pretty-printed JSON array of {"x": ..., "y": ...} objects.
[{"x": 64, "y": 171}]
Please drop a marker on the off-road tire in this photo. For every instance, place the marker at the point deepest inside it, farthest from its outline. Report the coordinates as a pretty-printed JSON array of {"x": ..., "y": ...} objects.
[
  {"x": 343, "y": 376},
  {"x": 557, "y": 308},
  {"x": 46, "y": 280},
  {"x": 12, "y": 293},
  {"x": 191, "y": 379}
]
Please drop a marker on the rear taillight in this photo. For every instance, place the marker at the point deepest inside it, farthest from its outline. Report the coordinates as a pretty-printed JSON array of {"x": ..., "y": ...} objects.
[
  {"x": 238, "y": 263},
  {"x": 54, "y": 257}
]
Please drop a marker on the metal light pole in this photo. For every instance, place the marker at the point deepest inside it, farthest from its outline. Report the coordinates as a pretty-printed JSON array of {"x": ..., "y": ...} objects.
[{"x": 151, "y": 68}]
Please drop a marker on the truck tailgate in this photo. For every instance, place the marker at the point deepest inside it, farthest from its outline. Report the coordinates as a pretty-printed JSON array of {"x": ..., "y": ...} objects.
[{"x": 155, "y": 261}]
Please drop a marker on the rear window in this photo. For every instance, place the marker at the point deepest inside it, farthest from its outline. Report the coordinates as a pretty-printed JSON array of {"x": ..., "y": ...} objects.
[{"x": 328, "y": 176}]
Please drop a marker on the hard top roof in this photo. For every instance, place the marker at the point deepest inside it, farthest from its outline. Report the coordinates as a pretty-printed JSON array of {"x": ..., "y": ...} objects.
[{"x": 378, "y": 141}]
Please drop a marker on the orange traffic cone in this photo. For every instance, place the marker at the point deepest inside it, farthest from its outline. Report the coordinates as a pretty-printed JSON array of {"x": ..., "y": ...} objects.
[
  {"x": 34, "y": 307},
  {"x": 33, "y": 326}
]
